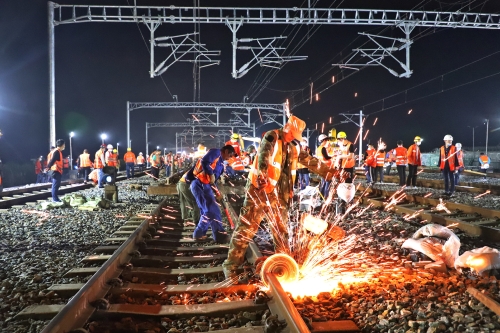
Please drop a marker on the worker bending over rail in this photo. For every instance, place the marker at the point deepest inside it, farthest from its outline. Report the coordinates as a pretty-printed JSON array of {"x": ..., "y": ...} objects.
[{"x": 269, "y": 190}]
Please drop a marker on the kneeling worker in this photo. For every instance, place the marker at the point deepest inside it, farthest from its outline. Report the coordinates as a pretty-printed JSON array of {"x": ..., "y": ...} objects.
[
  {"x": 269, "y": 190},
  {"x": 203, "y": 177}
]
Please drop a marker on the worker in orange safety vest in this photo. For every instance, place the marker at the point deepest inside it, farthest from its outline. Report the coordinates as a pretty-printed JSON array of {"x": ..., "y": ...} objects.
[
  {"x": 235, "y": 143},
  {"x": 460, "y": 158},
  {"x": 448, "y": 163},
  {"x": 414, "y": 157},
  {"x": 345, "y": 159},
  {"x": 99, "y": 164},
  {"x": 84, "y": 165},
  {"x": 399, "y": 155},
  {"x": 141, "y": 162},
  {"x": 130, "y": 161},
  {"x": 55, "y": 165},
  {"x": 380, "y": 160},
  {"x": 39, "y": 170}
]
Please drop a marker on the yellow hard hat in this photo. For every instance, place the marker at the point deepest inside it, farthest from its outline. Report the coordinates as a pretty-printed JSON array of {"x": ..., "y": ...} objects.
[
  {"x": 129, "y": 149},
  {"x": 417, "y": 138},
  {"x": 235, "y": 136},
  {"x": 341, "y": 135},
  {"x": 115, "y": 151}
]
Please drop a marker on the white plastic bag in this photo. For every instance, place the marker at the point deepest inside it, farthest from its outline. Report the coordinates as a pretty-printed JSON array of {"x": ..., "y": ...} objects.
[
  {"x": 479, "y": 260},
  {"x": 346, "y": 191},
  {"x": 437, "y": 242}
]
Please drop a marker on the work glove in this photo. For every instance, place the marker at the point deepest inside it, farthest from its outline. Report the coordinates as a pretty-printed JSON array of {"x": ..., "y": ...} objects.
[{"x": 212, "y": 179}]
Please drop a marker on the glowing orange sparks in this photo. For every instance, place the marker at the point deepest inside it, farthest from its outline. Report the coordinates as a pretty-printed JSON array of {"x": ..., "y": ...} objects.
[
  {"x": 376, "y": 119},
  {"x": 480, "y": 195},
  {"x": 366, "y": 134}
]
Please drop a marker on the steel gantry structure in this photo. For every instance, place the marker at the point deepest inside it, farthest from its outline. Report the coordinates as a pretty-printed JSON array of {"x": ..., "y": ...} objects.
[
  {"x": 206, "y": 119},
  {"x": 153, "y": 16}
]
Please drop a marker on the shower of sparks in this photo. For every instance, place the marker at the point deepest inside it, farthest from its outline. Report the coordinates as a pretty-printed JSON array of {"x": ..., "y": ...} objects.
[
  {"x": 428, "y": 195},
  {"x": 396, "y": 198},
  {"x": 150, "y": 175},
  {"x": 420, "y": 171},
  {"x": 317, "y": 97},
  {"x": 355, "y": 94},
  {"x": 195, "y": 118},
  {"x": 442, "y": 206},
  {"x": 480, "y": 195},
  {"x": 323, "y": 128},
  {"x": 376, "y": 119},
  {"x": 409, "y": 217},
  {"x": 333, "y": 79},
  {"x": 366, "y": 134},
  {"x": 410, "y": 111},
  {"x": 330, "y": 120}
]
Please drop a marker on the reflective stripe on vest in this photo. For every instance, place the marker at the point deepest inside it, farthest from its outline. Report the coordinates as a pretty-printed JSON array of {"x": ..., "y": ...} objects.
[
  {"x": 58, "y": 165},
  {"x": 98, "y": 160},
  {"x": 140, "y": 159},
  {"x": 450, "y": 158},
  {"x": 199, "y": 173},
  {"x": 320, "y": 156},
  {"x": 347, "y": 162},
  {"x": 129, "y": 157},
  {"x": 484, "y": 159},
  {"x": 380, "y": 159},
  {"x": 85, "y": 160},
  {"x": 273, "y": 169},
  {"x": 460, "y": 156},
  {"x": 400, "y": 153},
  {"x": 236, "y": 164},
  {"x": 112, "y": 159}
]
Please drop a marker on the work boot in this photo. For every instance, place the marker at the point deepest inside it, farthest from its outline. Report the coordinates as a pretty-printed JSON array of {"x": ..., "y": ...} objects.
[
  {"x": 230, "y": 274},
  {"x": 222, "y": 237}
]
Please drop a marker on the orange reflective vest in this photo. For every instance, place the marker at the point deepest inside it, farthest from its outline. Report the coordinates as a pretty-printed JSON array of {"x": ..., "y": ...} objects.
[
  {"x": 199, "y": 173},
  {"x": 320, "y": 156},
  {"x": 370, "y": 159},
  {"x": 129, "y": 157},
  {"x": 450, "y": 158},
  {"x": 347, "y": 162},
  {"x": 66, "y": 163},
  {"x": 460, "y": 157},
  {"x": 414, "y": 155},
  {"x": 400, "y": 154},
  {"x": 140, "y": 159},
  {"x": 273, "y": 169},
  {"x": 484, "y": 159},
  {"x": 98, "y": 160},
  {"x": 246, "y": 160},
  {"x": 58, "y": 165},
  {"x": 38, "y": 167},
  {"x": 236, "y": 146},
  {"x": 380, "y": 157},
  {"x": 112, "y": 159},
  {"x": 85, "y": 160},
  {"x": 155, "y": 160},
  {"x": 236, "y": 163}
]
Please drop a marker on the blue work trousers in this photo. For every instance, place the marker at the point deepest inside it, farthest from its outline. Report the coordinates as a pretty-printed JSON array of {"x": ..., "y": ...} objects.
[
  {"x": 130, "y": 169},
  {"x": 368, "y": 174},
  {"x": 39, "y": 178},
  {"x": 100, "y": 174},
  {"x": 324, "y": 188},
  {"x": 210, "y": 212},
  {"x": 56, "y": 183},
  {"x": 168, "y": 170},
  {"x": 303, "y": 180},
  {"x": 449, "y": 180}
]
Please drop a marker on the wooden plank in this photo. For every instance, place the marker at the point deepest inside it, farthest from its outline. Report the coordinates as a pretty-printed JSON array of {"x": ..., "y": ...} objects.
[
  {"x": 41, "y": 312},
  {"x": 486, "y": 300},
  {"x": 83, "y": 271},
  {"x": 337, "y": 326},
  {"x": 212, "y": 309}
]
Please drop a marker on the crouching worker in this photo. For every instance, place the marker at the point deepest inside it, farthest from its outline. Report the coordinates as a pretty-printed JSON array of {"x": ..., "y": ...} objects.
[
  {"x": 203, "y": 177},
  {"x": 269, "y": 190}
]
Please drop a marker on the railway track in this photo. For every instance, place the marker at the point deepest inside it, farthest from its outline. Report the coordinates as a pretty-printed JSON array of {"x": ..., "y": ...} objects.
[{"x": 155, "y": 275}]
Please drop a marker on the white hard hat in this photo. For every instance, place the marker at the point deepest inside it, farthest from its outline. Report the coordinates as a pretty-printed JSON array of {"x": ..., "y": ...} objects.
[
  {"x": 322, "y": 137},
  {"x": 140, "y": 153},
  {"x": 458, "y": 145},
  {"x": 110, "y": 146},
  {"x": 448, "y": 137}
]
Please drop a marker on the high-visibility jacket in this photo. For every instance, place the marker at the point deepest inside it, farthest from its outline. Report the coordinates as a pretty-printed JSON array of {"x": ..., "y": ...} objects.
[
  {"x": 155, "y": 160},
  {"x": 274, "y": 167},
  {"x": 460, "y": 157},
  {"x": 236, "y": 163},
  {"x": 129, "y": 157},
  {"x": 414, "y": 155},
  {"x": 450, "y": 157},
  {"x": 112, "y": 159},
  {"x": 199, "y": 173},
  {"x": 344, "y": 150},
  {"x": 66, "y": 163},
  {"x": 320, "y": 156},
  {"x": 38, "y": 167},
  {"x": 400, "y": 155},
  {"x": 236, "y": 146},
  {"x": 98, "y": 160},
  {"x": 380, "y": 158},
  {"x": 140, "y": 159},
  {"x": 484, "y": 160},
  {"x": 58, "y": 165},
  {"x": 84, "y": 160},
  {"x": 370, "y": 159}
]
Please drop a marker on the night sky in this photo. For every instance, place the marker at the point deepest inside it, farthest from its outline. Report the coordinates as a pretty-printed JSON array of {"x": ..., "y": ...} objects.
[{"x": 101, "y": 66}]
